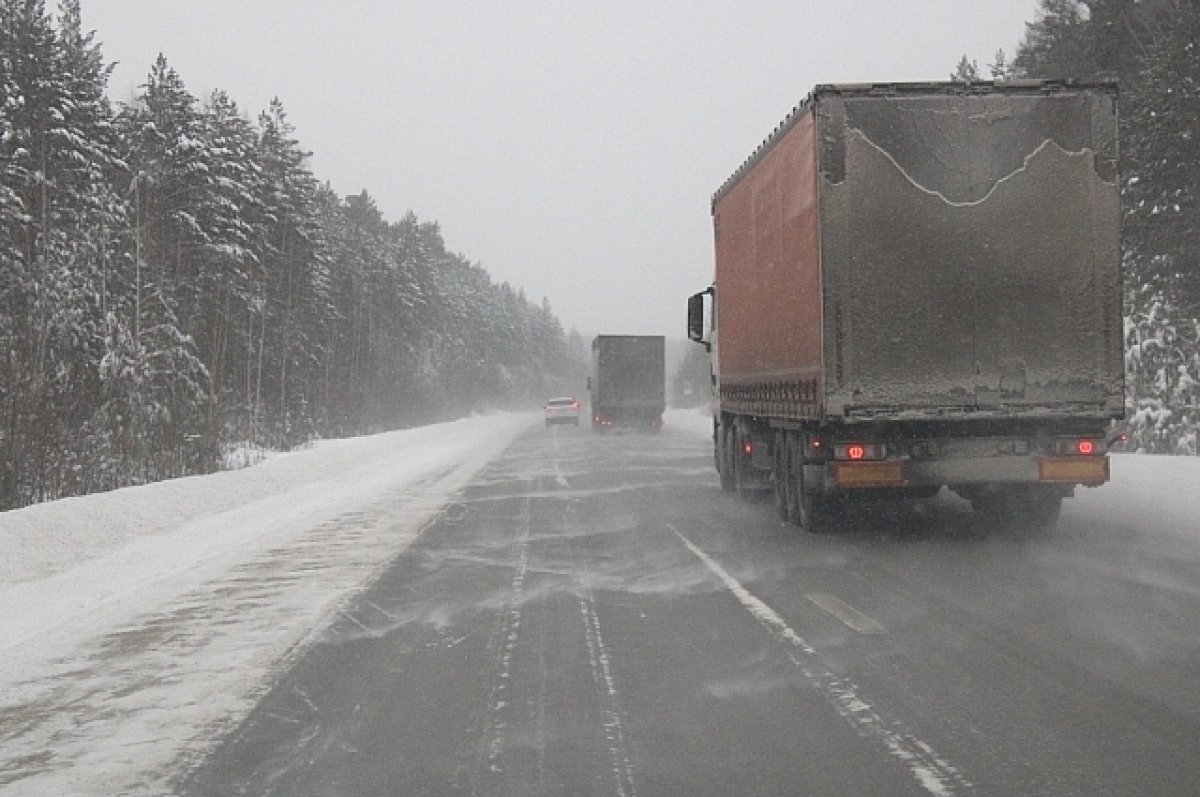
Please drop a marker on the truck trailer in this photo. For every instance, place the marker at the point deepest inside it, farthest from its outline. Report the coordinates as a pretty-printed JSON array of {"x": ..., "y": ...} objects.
[
  {"x": 918, "y": 286},
  {"x": 628, "y": 381}
]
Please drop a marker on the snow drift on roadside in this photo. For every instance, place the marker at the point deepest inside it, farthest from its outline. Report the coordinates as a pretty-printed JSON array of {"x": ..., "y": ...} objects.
[{"x": 140, "y": 623}]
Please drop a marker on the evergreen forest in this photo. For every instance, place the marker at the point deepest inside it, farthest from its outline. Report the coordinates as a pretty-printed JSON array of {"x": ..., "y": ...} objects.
[{"x": 176, "y": 284}]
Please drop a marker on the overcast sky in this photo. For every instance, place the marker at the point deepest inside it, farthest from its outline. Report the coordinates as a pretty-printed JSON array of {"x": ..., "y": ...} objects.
[{"x": 570, "y": 148}]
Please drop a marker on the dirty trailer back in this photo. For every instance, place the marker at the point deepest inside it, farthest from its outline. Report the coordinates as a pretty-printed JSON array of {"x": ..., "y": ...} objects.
[{"x": 909, "y": 253}]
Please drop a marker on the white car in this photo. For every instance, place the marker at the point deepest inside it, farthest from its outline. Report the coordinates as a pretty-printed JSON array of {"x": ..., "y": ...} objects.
[{"x": 562, "y": 410}]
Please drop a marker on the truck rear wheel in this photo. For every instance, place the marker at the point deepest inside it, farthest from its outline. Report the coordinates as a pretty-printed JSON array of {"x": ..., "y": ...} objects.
[
  {"x": 784, "y": 502},
  {"x": 812, "y": 511},
  {"x": 796, "y": 504},
  {"x": 722, "y": 451},
  {"x": 743, "y": 480}
]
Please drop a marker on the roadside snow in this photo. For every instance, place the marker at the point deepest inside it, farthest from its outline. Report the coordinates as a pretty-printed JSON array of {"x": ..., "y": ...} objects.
[
  {"x": 139, "y": 622},
  {"x": 1147, "y": 491}
]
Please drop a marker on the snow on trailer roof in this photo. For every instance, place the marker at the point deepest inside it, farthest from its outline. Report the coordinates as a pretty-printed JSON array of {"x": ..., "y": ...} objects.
[{"x": 897, "y": 89}]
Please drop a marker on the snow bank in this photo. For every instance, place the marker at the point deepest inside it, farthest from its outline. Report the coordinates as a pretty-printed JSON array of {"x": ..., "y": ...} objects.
[
  {"x": 1146, "y": 491},
  {"x": 47, "y": 538},
  {"x": 140, "y": 623}
]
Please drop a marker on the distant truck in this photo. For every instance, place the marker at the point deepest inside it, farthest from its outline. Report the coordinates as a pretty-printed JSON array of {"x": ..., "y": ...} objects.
[
  {"x": 918, "y": 286},
  {"x": 628, "y": 381}
]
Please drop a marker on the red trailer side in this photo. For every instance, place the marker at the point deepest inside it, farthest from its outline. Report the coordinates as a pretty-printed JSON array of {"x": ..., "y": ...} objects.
[{"x": 768, "y": 266}]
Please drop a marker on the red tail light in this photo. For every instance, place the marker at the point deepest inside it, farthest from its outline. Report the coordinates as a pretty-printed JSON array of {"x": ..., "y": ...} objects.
[
  {"x": 858, "y": 452},
  {"x": 1080, "y": 447}
]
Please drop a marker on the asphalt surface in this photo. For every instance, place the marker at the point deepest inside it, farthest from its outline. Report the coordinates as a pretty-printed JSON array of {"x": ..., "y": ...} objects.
[{"x": 595, "y": 617}]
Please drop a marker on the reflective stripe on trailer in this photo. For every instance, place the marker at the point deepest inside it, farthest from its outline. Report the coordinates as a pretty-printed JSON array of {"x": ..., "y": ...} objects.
[
  {"x": 869, "y": 474},
  {"x": 1076, "y": 470}
]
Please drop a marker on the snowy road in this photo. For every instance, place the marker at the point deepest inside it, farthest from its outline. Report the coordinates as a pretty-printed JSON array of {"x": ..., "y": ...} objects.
[
  {"x": 591, "y": 615},
  {"x": 140, "y": 624},
  {"x": 595, "y": 617}
]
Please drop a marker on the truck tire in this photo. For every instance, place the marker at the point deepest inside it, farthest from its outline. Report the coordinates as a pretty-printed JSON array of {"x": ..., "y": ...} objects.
[
  {"x": 741, "y": 478},
  {"x": 812, "y": 514},
  {"x": 724, "y": 458},
  {"x": 783, "y": 478},
  {"x": 813, "y": 511}
]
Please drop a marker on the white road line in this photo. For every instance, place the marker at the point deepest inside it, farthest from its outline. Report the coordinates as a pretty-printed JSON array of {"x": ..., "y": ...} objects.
[
  {"x": 508, "y": 637},
  {"x": 932, "y": 772},
  {"x": 559, "y": 478},
  {"x": 843, "y": 611},
  {"x": 614, "y": 729}
]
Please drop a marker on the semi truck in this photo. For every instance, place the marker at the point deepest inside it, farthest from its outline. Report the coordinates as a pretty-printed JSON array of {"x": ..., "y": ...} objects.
[
  {"x": 628, "y": 381},
  {"x": 917, "y": 286}
]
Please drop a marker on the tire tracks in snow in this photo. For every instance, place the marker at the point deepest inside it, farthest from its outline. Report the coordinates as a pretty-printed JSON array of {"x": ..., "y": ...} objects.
[
  {"x": 505, "y": 717},
  {"x": 606, "y": 692}
]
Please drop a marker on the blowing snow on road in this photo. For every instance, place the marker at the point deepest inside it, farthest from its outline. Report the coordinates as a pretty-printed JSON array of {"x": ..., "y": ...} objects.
[{"x": 489, "y": 607}]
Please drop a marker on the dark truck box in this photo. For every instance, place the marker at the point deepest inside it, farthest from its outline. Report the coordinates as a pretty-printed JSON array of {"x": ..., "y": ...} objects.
[
  {"x": 918, "y": 250},
  {"x": 628, "y": 381},
  {"x": 918, "y": 286}
]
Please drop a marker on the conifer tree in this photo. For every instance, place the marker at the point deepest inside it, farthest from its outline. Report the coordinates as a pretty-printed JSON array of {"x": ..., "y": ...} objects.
[
  {"x": 27, "y": 299},
  {"x": 94, "y": 218},
  {"x": 1057, "y": 44},
  {"x": 296, "y": 270},
  {"x": 169, "y": 187},
  {"x": 233, "y": 247},
  {"x": 966, "y": 71}
]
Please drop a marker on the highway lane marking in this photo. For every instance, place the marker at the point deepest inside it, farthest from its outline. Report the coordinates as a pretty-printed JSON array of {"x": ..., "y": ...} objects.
[
  {"x": 843, "y": 611},
  {"x": 933, "y": 772},
  {"x": 614, "y": 729},
  {"x": 559, "y": 477},
  {"x": 507, "y": 636}
]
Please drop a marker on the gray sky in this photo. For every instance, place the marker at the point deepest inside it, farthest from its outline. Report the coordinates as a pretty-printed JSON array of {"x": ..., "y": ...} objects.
[{"x": 570, "y": 147}]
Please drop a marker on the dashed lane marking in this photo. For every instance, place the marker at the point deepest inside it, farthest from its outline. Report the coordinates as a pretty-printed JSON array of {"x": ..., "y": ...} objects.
[
  {"x": 933, "y": 772},
  {"x": 843, "y": 611}
]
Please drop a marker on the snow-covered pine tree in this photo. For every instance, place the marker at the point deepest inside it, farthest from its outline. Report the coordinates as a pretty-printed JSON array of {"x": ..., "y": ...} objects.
[
  {"x": 31, "y": 102},
  {"x": 90, "y": 270},
  {"x": 170, "y": 186},
  {"x": 966, "y": 71},
  {"x": 59, "y": 225},
  {"x": 234, "y": 243},
  {"x": 1000, "y": 68},
  {"x": 296, "y": 268},
  {"x": 1161, "y": 150},
  {"x": 1056, "y": 44}
]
